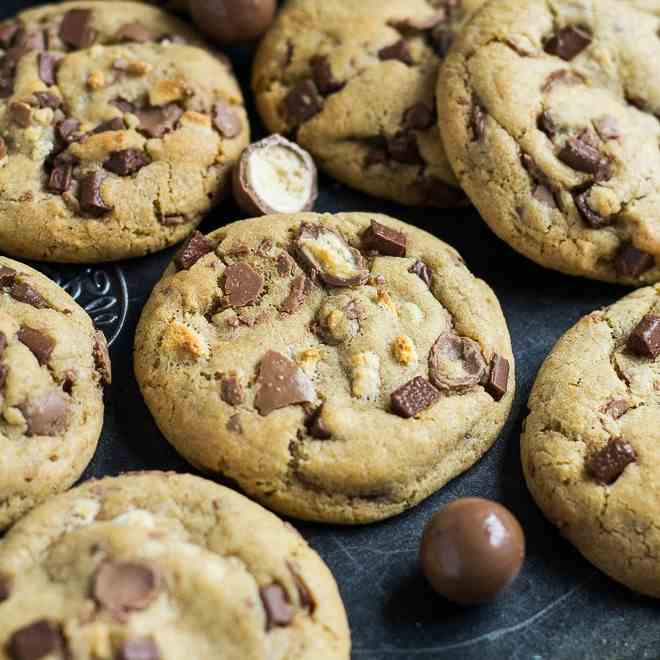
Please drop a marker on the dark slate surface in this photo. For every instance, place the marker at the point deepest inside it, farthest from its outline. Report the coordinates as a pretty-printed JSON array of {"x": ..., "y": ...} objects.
[{"x": 559, "y": 608}]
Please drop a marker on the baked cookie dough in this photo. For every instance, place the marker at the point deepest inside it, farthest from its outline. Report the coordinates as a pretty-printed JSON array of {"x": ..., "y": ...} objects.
[
  {"x": 549, "y": 112},
  {"x": 117, "y": 131},
  {"x": 159, "y": 566},
  {"x": 356, "y": 82},
  {"x": 590, "y": 444},
  {"x": 53, "y": 365},
  {"x": 338, "y": 368}
]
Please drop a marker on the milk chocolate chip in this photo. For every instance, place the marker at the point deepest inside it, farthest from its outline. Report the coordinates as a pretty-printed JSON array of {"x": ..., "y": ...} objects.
[
  {"x": 76, "y": 28},
  {"x": 281, "y": 383},
  {"x": 36, "y": 640},
  {"x": 231, "y": 22},
  {"x": 456, "y": 362},
  {"x": 231, "y": 390},
  {"x": 413, "y": 397},
  {"x": 155, "y": 122},
  {"x": 327, "y": 253},
  {"x": 242, "y": 285},
  {"x": 24, "y": 293},
  {"x": 38, "y": 342},
  {"x": 193, "y": 249},
  {"x": 384, "y": 240},
  {"x": 139, "y": 648},
  {"x": 497, "y": 382},
  {"x": 296, "y": 295},
  {"x": 91, "y": 199},
  {"x": 275, "y": 176},
  {"x": 276, "y": 604},
  {"x": 226, "y": 120},
  {"x": 471, "y": 550},
  {"x": 644, "y": 340},
  {"x": 607, "y": 464},
  {"x": 582, "y": 156},
  {"x": 47, "y": 414},
  {"x": 47, "y": 64},
  {"x": 568, "y": 42},
  {"x": 124, "y": 586},
  {"x": 126, "y": 161}
]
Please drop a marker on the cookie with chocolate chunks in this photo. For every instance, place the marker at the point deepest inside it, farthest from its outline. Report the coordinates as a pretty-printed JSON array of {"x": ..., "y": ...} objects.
[
  {"x": 550, "y": 117},
  {"x": 589, "y": 444},
  {"x": 279, "y": 356},
  {"x": 116, "y": 557},
  {"x": 121, "y": 131},
  {"x": 354, "y": 82},
  {"x": 53, "y": 365}
]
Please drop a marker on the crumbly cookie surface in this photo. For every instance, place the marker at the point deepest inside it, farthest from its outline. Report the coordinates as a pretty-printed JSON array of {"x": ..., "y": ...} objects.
[
  {"x": 355, "y": 82},
  {"x": 118, "y": 131},
  {"x": 53, "y": 365},
  {"x": 550, "y": 116},
  {"x": 159, "y": 566},
  {"x": 589, "y": 445},
  {"x": 337, "y": 367}
]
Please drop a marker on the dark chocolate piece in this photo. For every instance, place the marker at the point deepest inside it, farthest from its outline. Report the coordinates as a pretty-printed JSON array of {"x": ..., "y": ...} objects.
[
  {"x": 607, "y": 464},
  {"x": 91, "y": 200},
  {"x": 384, "y": 240},
  {"x": 302, "y": 102},
  {"x": 193, "y": 249},
  {"x": 644, "y": 340},
  {"x": 36, "y": 641},
  {"x": 631, "y": 262},
  {"x": 397, "y": 51},
  {"x": 498, "y": 378},
  {"x": 76, "y": 28},
  {"x": 568, "y": 42},
  {"x": 126, "y": 162}
]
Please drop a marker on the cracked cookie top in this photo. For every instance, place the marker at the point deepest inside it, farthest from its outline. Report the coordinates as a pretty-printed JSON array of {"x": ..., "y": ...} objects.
[
  {"x": 355, "y": 83},
  {"x": 590, "y": 444},
  {"x": 159, "y": 566},
  {"x": 339, "y": 368},
  {"x": 114, "y": 138},
  {"x": 53, "y": 365},
  {"x": 550, "y": 115}
]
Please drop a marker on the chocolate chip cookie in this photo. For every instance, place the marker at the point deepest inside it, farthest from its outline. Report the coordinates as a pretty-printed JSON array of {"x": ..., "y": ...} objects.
[
  {"x": 550, "y": 117},
  {"x": 53, "y": 365},
  {"x": 339, "y": 368},
  {"x": 117, "y": 131},
  {"x": 157, "y": 565},
  {"x": 355, "y": 82},
  {"x": 590, "y": 444}
]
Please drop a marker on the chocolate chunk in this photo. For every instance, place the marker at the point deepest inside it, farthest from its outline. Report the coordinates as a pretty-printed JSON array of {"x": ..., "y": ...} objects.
[
  {"x": 6, "y": 584},
  {"x": 66, "y": 130},
  {"x": 226, "y": 120},
  {"x": 231, "y": 390},
  {"x": 616, "y": 407},
  {"x": 322, "y": 75},
  {"x": 568, "y": 42},
  {"x": 546, "y": 124},
  {"x": 60, "y": 179},
  {"x": 403, "y": 148},
  {"x": 39, "y": 343},
  {"x": 497, "y": 383},
  {"x": 276, "y": 604},
  {"x": 631, "y": 262},
  {"x": 315, "y": 425},
  {"x": 418, "y": 117},
  {"x": 243, "y": 284},
  {"x": 114, "y": 124},
  {"x": 590, "y": 216},
  {"x": 47, "y": 64},
  {"x": 296, "y": 296},
  {"x": 27, "y": 41},
  {"x": 442, "y": 39},
  {"x": 413, "y": 397},
  {"x": 135, "y": 32},
  {"x": 76, "y": 28},
  {"x": 608, "y": 127},
  {"x": 4, "y": 370},
  {"x": 544, "y": 195},
  {"x": 422, "y": 271},
  {"x": 21, "y": 114},
  {"x": 7, "y": 276},
  {"x": 307, "y": 600},
  {"x": 91, "y": 200},
  {"x": 126, "y": 161},
  {"x": 417, "y": 24},
  {"x": 122, "y": 587},
  {"x": 6, "y": 87},
  {"x": 384, "y": 240},
  {"x": 377, "y": 154},
  {"x": 7, "y": 33},
  {"x": 645, "y": 338},
  {"x": 47, "y": 414},
  {"x": 328, "y": 254},
  {"x": 302, "y": 102},
  {"x": 24, "y": 293},
  {"x": 36, "y": 641},
  {"x": 101, "y": 357},
  {"x": 281, "y": 383},
  {"x": 561, "y": 77},
  {"x": 284, "y": 264},
  {"x": 47, "y": 100},
  {"x": 123, "y": 105},
  {"x": 156, "y": 122},
  {"x": 194, "y": 248},
  {"x": 456, "y": 362},
  {"x": 607, "y": 464},
  {"x": 582, "y": 156},
  {"x": 397, "y": 51},
  {"x": 477, "y": 122},
  {"x": 139, "y": 648}
]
